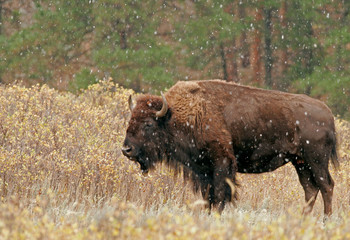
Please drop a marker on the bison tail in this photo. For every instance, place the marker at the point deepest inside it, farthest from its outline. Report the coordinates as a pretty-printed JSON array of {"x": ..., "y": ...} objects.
[{"x": 334, "y": 154}]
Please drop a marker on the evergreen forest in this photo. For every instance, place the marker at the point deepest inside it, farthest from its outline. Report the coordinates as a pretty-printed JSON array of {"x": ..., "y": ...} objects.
[{"x": 290, "y": 45}]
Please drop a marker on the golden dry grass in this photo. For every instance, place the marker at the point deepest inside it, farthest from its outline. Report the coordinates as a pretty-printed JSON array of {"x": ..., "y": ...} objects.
[{"x": 62, "y": 177}]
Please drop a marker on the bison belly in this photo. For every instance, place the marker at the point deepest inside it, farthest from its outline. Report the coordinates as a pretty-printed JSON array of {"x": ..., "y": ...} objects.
[{"x": 264, "y": 158}]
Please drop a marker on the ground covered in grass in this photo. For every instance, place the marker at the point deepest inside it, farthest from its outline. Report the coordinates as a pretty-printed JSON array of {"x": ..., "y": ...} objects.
[{"x": 62, "y": 177}]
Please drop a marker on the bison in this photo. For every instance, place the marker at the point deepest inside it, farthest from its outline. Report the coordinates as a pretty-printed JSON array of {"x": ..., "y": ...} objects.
[{"x": 213, "y": 129}]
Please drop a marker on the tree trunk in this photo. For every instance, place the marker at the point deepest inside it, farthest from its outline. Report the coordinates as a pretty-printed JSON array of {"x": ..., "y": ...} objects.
[
  {"x": 1, "y": 23},
  {"x": 120, "y": 28},
  {"x": 256, "y": 49},
  {"x": 228, "y": 52},
  {"x": 268, "y": 49},
  {"x": 344, "y": 13},
  {"x": 308, "y": 52},
  {"x": 1, "y": 26},
  {"x": 283, "y": 20},
  {"x": 223, "y": 60},
  {"x": 231, "y": 62},
  {"x": 136, "y": 84},
  {"x": 123, "y": 40},
  {"x": 244, "y": 46}
]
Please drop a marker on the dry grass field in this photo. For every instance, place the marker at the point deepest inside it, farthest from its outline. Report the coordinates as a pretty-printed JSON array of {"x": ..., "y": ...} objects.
[{"x": 62, "y": 176}]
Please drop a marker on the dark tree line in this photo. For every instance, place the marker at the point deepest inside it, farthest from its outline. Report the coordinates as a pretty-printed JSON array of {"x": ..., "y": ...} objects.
[{"x": 295, "y": 45}]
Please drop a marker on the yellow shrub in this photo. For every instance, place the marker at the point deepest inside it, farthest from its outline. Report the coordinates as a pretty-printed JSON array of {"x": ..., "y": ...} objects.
[{"x": 62, "y": 176}]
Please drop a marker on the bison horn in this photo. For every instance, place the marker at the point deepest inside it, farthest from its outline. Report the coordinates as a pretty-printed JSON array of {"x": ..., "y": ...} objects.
[
  {"x": 131, "y": 104},
  {"x": 164, "y": 109}
]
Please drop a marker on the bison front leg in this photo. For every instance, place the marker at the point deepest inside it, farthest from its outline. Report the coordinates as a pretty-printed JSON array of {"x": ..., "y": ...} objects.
[
  {"x": 224, "y": 181},
  {"x": 220, "y": 189}
]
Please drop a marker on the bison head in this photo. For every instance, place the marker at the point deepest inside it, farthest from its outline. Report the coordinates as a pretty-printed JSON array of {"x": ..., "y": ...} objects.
[{"x": 146, "y": 135}]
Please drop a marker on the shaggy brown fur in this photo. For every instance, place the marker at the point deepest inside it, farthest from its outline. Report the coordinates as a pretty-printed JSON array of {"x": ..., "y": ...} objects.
[{"x": 214, "y": 129}]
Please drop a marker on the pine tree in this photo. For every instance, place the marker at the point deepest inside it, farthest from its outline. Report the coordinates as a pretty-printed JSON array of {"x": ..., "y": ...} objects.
[
  {"x": 127, "y": 46},
  {"x": 210, "y": 36}
]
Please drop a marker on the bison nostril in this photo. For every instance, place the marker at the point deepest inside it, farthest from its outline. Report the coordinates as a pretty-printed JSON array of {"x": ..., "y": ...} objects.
[{"x": 126, "y": 150}]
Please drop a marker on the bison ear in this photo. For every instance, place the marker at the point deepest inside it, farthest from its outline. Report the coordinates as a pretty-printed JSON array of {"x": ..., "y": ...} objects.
[
  {"x": 131, "y": 104},
  {"x": 161, "y": 113}
]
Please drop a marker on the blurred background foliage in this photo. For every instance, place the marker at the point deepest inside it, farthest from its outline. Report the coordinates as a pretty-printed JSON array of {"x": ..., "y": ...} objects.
[{"x": 296, "y": 46}]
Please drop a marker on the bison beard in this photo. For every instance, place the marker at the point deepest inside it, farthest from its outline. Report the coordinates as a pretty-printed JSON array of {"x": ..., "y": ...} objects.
[{"x": 212, "y": 129}]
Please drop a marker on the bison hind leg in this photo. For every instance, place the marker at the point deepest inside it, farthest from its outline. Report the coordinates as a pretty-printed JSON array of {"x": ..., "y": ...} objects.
[
  {"x": 308, "y": 183},
  {"x": 319, "y": 166},
  {"x": 325, "y": 183}
]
